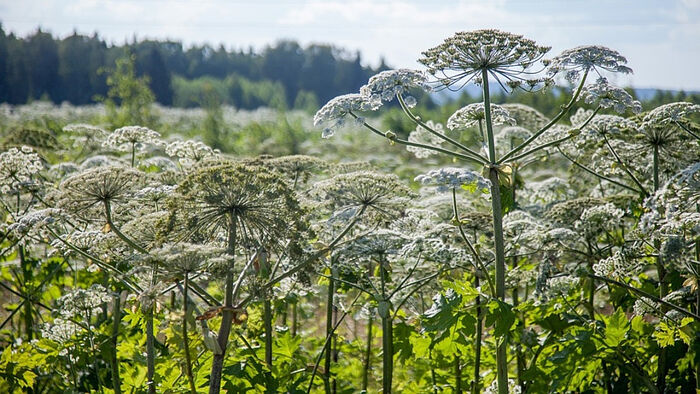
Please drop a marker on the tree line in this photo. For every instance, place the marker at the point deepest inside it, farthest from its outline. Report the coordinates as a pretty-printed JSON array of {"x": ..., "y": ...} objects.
[
  {"x": 283, "y": 75},
  {"x": 74, "y": 69}
]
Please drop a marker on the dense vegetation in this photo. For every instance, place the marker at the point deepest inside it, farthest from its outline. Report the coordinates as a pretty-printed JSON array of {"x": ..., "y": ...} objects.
[
  {"x": 69, "y": 69},
  {"x": 505, "y": 249}
]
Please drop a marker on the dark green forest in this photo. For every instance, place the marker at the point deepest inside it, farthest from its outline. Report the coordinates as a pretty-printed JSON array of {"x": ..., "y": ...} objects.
[
  {"x": 75, "y": 68},
  {"x": 283, "y": 75}
]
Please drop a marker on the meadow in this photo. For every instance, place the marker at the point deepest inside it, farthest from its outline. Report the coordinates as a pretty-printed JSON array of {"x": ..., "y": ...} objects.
[{"x": 379, "y": 243}]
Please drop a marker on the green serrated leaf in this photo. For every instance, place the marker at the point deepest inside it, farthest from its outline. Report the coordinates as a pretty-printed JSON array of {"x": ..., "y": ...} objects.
[{"x": 616, "y": 328}]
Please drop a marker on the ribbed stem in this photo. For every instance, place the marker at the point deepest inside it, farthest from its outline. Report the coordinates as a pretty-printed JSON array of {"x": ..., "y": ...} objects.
[
  {"x": 499, "y": 245},
  {"x": 185, "y": 339},
  {"x": 116, "y": 320}
]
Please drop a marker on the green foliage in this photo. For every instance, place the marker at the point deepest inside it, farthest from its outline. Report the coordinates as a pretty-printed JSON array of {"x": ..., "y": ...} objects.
[{"x": 129, "y": 98}]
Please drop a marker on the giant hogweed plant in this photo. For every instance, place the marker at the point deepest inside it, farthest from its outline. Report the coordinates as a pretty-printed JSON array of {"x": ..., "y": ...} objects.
[{"x": 514, "y": 62}]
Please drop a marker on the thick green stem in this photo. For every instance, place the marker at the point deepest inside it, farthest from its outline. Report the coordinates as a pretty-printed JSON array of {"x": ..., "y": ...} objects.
[
  {"x": 267, "y": 317},
  {"x": 329, "y": 328},
  {"x": 150, "y": 351},
  {"x": 114, "y": 362},
  {"x": 499, "y": 246},
  {"x": 662, "y": 361},
  {"x": 217, "y": 365},
  {"x": 367, "y": 362},
  {"x": 294, "y": 317},
  {"x": 185, "y": 339},
  {"x": 28, "y": 278},
  {"x": 476, "y": 386},
  {"x": 388, "y": 352},
  {"x": 458, "y": 375}
]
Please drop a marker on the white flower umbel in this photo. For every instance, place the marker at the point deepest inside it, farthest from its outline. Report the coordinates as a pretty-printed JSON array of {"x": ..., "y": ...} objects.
[
  {"x": 450, "y": 178},
  {"x": 462, "y": 57},
  {"x": 608, "y": 96},
  {"x": 386, "y": 85},
  {"x": 669, "y": 113},
  {"x": 334, "y": 112},
  {"x": 127, "y": 138},
  {"x": 17, "y": 167},
  {"x": 470, "y": 115},
  {"x": 573, "y": 61},
  {"x": 189, "y": 152}
]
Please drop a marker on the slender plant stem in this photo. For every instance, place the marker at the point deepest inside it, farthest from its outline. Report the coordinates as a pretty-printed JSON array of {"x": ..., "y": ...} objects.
[
  {"x": 114, "y": 361},
  {"x": 367, "y": 362},
  {"x": 603, "y": 177},
  {"x": 662, "y": 360},
  {"x": 647, "y": 295},
  {"x": 227, "y": 316},
  {"x": 150, "y": 350},
  {"x": 329, "y": 329},
  {"x": 417, "y": 145},
  {"x": 687, "y": 130},
  {"x": 185, "y": 338},
  {"x": 499, "y": 245},
  {"x": 328, "y": 338},
  {"x": 476, "y": 386},
  {"x": 624, "y": 167}
]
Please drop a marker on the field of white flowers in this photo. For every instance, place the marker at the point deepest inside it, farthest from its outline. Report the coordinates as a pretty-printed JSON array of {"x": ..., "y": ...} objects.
[{"x": 493, "y": 249}]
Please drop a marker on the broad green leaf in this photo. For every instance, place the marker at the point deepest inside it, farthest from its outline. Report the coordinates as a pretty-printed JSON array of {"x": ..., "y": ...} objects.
[{"x": 616, "y": 328}]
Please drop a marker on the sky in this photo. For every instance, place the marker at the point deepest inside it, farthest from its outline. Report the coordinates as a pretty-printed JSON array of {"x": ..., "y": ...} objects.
[{"x": 660, "y": 38}]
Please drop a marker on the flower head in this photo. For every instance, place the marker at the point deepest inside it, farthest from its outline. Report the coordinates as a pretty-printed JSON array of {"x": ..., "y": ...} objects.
[
  {"x": 379, "y": 196},
  {"x": 669, "y": 113},
  {"x": 126, "y": 138},
  {"x": 388, "y": 84},
  {"x": 464, "y": 55},
  {"x": 610, "y": 96},
  {"x": 449, "y": 178},
  {"x": 17, "y": 167},
  {"x": 83, "y": 193},
  {"x": 335, "y": 111},
  {"x": 470, "y": 115},
  {"x": 584, "y": 58},
  {"x": 189, "y": 152}
]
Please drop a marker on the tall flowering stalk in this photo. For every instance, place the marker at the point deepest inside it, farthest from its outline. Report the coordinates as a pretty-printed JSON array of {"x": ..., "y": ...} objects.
[{"x": 476, "y": 56}]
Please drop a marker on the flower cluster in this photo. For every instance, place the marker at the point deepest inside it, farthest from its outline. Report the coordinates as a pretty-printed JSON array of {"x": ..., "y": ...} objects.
[
  {"x": 60, "y": 330},
  {"x": 617, "y": 266},
  {"x": 464, "y": 55},
  {"x": 584, "y": 58},
  {"x": 338, "y": 108},
  {"x": 609, "y": 96},
  {"x": 189, "y": 152},
  {"x": 17, "y": 167},
  {"x": 127, "y": 138},
  {"x": 381, "y": 196},
  {"x": 450, "y": 178},
  {"x": 34, "y": 221},
  {"x": 526, "y": 116},
  {"x": 388, "y": 84},
  {"x": 422, "y": 136},
  {"x": 83, "y": 303},
  {"x": 185, "y": 257},
  {"x": 473, "y": 113},
  {"x": 598, "y": 219},
  {"x": 669, "y": 113}
]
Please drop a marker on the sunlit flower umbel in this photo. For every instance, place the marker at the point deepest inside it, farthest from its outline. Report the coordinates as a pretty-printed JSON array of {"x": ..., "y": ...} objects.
[
  {"x": 608, "y": 96},
  {"x": 470, "y": 115},
  {"x": 449, "y": 178},
  {"x": 461, "y": 58},
  {"x": 334, "y": 112},
  {"x": 573, "y": 61},
  {"x": 386, "y": 85}
]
